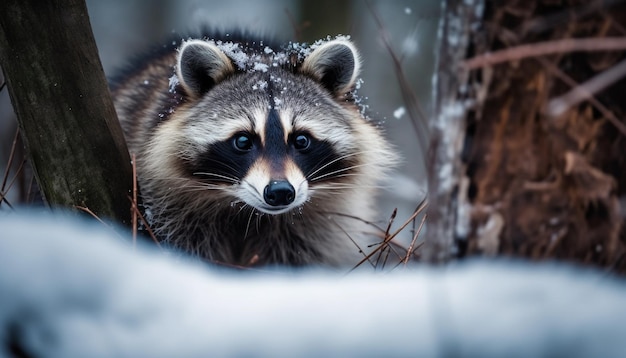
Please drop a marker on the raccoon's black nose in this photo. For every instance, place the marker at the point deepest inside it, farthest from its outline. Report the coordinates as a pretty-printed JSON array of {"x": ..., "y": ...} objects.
[{"x": 279, "y": 193}]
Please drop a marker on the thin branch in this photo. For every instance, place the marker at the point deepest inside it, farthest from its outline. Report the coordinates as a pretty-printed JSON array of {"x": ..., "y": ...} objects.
[
  {"x": 366, "y": 257},
  {"x": 30, "y": 193},
  {"x": 88, "y": 211},
  {"x": 11, "y": 156},
  {"x": 546, "y": 48},
  {"x": 586, "y": 90},
  {"x": 610, "y": 116},
  {"x": 297, "y": 29},
  {"x": 409, "y": 252},
  {"x": 420, "y": 208},
  {"x": 17, "y": 174},
  {"x": 134, "y": 203},
  {"x": 374, "y": 225},
  {"x": 382, "y": 250},
  {"x": 418, "y": 119},
  {"x": 3, "y": 199},
  {"x": 144, "y": 222}
]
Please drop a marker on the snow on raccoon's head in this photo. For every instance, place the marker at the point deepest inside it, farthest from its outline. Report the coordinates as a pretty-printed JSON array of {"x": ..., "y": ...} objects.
[{"x": 270, "y": 129}]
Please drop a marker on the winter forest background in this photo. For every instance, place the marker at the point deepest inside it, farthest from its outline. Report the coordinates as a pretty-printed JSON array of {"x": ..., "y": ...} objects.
[{"x": 554, "y": 195}]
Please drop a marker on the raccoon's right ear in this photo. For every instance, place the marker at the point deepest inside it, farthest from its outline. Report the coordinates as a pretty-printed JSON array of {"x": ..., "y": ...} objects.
[{"x": 200, "y": 66}]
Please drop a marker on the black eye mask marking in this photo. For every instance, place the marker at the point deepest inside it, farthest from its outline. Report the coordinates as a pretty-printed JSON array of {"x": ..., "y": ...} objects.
[
  {"x": 226, "y": 161},
  {"x": 320, "y": 162}
]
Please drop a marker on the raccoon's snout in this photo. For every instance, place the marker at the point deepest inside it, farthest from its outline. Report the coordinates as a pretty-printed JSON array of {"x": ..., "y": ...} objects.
[{"x": 279, "y": 193}]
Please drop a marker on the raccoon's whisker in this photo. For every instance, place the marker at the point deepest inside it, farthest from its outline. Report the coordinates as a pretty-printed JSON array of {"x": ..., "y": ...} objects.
[
  {"x": 341, "y": 186},
  {"x": 248, "y": 224},
  {"x": 228, "y": 178},
  {"x": 146, "y": 177},
  {"x": 221, "y": 162},
  {"x": 336, "y": 160},
  {"x": 258, "y": 223},
  {"x": 330, "y": 163},
  {"x": 247, "y": 183},
  {"x": 203, "y": 187},
  {"x": 242, "y": 207},
  {"x": 196, "y": 186},
  {"x": 333, "y": 173}
]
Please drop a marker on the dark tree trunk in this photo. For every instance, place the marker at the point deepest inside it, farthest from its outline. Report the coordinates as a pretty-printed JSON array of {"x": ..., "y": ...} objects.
[
  {"x": 536, "y": 182},
  {"x": 60, "y": 95}
]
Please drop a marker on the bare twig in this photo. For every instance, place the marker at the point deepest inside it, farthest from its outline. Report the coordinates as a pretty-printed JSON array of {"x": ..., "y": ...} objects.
[
  {"x": 297, "y": 29},
  {"x": 144, "y": 222},
  {"x": 419, "y": 209},
  {"x": 586, "y": 90},
  {"x": 409, "y": 252},
  {"x": 3, "y": 199},
  {"x": 366, "y": 257},
  {"x": 418, "y": 119},
  {"x": 134, "y": 203},
  {"x": 30, "y": 190},
  {"x": 594, "y": 102},
  {"x": 382, "y": 250},
  {"x": 88, "y": 211},
  {"x": 546, "y": 48},
  {"x": 17, "y": 174},
  {"x": 374, "y": 225},
  {"x": 10, "y": 162}
]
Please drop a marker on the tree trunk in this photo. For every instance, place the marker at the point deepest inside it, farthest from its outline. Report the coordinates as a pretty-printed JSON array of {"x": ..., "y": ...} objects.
[
  {"x": 541, "y": 177},
  {"x": 447, "y": 129},
  {"x": 60, "y": 95}
]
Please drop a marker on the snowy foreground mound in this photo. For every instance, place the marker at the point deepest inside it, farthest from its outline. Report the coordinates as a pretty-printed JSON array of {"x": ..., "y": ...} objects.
[{"x": 68, "y": 289}]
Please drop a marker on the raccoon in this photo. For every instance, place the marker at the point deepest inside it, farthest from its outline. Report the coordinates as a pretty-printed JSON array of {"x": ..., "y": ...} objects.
[{"x": 252, "y": 153}]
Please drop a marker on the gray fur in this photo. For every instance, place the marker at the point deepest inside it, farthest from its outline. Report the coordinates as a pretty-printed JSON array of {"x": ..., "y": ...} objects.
[{"x": 168, "y": 127}]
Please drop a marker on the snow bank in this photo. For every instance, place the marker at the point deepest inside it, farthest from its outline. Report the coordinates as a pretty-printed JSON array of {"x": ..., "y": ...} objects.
[{"x": 71, "y": 289}]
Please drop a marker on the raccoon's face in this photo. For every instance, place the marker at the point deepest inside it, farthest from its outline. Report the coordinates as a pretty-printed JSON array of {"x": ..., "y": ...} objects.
[{"x": 268, "y": 138}]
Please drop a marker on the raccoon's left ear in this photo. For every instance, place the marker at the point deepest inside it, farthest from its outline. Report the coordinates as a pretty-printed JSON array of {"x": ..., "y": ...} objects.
[
  {"x": 335, "y": 64},
  {"x": 200, "y": 66}
]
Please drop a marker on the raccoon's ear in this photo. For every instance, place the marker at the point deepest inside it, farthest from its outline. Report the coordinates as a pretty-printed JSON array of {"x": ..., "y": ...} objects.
[
  {"x": 200, "y": 66},
  {"x": 335, "y": 64}
]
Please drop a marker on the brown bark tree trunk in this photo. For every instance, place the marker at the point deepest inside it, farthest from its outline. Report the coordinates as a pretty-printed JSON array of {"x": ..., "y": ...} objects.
[
  {"x": 61, "y": 99},
  {"x": 537, "y": 181}
]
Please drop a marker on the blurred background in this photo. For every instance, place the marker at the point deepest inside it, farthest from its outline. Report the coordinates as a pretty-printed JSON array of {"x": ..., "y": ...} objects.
[{"x": 123, "y": 28}]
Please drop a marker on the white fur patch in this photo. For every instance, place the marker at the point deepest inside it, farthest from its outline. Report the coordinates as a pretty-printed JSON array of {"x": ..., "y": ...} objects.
[{"x": 259, "y": 176}]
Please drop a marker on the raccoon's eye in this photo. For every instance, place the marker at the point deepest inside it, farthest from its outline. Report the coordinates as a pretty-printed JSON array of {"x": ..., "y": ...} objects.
[
  {"x": 242, "y": 142},
  {"x": 302, "y": 142}
]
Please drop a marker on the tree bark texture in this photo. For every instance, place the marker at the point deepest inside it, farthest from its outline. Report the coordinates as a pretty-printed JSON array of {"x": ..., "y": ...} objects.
[
  {"x": 60, "y": 95},
  {"x": 447, "y": 128},
  {"x": 540, "y": 184}
]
